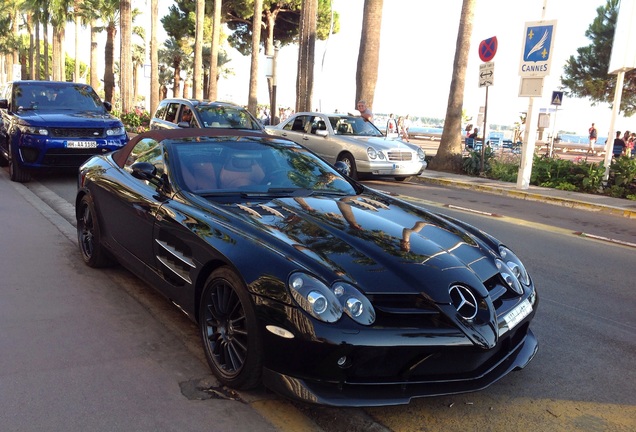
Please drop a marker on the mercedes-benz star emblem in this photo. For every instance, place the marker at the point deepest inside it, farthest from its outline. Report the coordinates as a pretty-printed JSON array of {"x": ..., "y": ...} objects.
[{"x": 464, "y": 301}]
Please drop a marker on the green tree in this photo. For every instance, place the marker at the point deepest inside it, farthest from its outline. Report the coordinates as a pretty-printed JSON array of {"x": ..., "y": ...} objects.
[{"x": 586, "y": 74}]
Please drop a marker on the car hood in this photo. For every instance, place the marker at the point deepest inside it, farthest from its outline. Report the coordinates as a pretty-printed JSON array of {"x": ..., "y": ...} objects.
[
  {"x": 380, "y": 143},
  {"x": 69, "y": 118},
  {"x": 372, "y": 240}
]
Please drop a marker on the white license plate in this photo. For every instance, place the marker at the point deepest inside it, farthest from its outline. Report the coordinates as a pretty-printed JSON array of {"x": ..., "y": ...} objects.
[
  {"x": 81, "y": 144},
  {"x": 517, "y": 315}
]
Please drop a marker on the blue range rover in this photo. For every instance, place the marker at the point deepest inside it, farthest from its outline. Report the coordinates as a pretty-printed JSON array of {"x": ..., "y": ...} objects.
[{"x": 50, "y": 124}]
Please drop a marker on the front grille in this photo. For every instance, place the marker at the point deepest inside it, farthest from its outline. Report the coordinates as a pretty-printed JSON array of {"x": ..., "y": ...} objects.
[
  {"x": 77, "y": 132},
  {"x": 64, "y": 158},
  {"x": 400, "y": 156}
]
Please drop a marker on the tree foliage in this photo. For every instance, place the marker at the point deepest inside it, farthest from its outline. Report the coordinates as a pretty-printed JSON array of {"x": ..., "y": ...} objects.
[
  {"x": 586, "y": 74},
  {"x": 237, "y": 14}
]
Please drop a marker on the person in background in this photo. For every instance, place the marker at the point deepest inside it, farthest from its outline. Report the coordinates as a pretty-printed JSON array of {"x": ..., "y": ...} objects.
[
  {"x": 391, "y": 126},
  {"x": 186, "y": 116},
  {"x": 475, "y": 134},
  {"x": 402, "y": 130},
  {"x": 619, "y": 145},
  {"x": 365, "y": 112},
  {"x": 593, "y": 134}
]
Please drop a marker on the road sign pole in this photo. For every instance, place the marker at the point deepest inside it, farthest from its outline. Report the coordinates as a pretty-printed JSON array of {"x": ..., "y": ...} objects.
[
  {"x": 483, "y": 140},
  {"x": 556, "y": 111}
]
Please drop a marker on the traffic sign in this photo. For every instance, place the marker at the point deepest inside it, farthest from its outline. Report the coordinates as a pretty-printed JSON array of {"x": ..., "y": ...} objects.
[
  {"x": 536, "y": 54},
  {"x": 557, "y": 97},
  {"x": 486, "y": 74},
  {"x": 488, "y": 49}
]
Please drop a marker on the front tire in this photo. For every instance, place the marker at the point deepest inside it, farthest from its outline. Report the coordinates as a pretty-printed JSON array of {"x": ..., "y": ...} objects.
[
  {"x": 89, "y": 235},
  {"x": 229, "y": 332},
  {"x": 16, "y": 172}
]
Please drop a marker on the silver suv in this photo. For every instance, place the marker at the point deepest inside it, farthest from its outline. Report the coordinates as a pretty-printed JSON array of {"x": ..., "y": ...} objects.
[{"x": 192, "y": 113}]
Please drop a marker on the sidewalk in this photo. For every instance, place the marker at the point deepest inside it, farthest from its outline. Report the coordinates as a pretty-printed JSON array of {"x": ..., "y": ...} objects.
[{"x": 590, "y": 202}]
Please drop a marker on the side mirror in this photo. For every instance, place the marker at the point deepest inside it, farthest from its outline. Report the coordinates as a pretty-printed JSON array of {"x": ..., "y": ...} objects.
[
  {"x": 342, "y": 168},
  {"x": 108, "y": 106},
  {"x": 183, "y": 124},
  {"x": 322, "y": 132},
  {"x": 145, "y": 171},
  {"x": 4, "y": 104}
]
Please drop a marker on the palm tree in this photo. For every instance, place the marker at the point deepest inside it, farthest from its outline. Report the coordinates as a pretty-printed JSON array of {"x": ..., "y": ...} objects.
[
  {"x": 449, "y": 154},
  {"x": 369, "y": 54},
  {"x": 214, "y": 51},
  {"x": 173, "y": 55},
  {"x": 197, "y": 85},
  {"x": 306, "y": 54},
  {"x": 256, "y": 43},
  {"x": 60, "y": 14},
  {"x": 154, "y": 55},
  {"x": 125, "y": 58}
]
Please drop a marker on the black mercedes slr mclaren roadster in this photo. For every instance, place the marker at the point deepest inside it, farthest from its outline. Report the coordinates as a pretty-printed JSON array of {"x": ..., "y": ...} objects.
[{"x": 302, "y": 279}]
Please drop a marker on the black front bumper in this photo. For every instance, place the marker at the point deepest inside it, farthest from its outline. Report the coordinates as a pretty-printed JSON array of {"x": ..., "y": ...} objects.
[{"x": 398, "y": 393}]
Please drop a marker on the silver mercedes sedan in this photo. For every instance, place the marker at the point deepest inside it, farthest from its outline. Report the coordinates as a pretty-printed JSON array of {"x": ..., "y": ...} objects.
[{"x": 354, "y": 141}]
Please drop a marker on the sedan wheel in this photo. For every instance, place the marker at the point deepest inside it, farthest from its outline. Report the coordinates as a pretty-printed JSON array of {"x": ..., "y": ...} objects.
[
  {"x": 229, "y": 332},
  {"x": 89, "y": 235},
  {"x": 351, "y": 163}
]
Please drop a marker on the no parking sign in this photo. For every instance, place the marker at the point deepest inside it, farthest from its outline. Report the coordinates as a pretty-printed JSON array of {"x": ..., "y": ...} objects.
[{"x": 488, "y": 49}]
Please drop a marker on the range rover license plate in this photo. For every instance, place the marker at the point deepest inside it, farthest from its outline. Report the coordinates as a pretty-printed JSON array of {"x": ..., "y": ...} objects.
[{"x": 81, "y": 144}]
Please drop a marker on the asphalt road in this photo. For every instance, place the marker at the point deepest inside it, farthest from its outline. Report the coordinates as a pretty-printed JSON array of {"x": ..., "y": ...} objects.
[{"x": 582, "y": 379}]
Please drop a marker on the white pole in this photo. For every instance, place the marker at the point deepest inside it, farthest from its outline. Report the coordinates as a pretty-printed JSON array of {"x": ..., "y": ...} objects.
[
  {"x": 609, "y": 144},
  {"x": 529, "y": 138}
]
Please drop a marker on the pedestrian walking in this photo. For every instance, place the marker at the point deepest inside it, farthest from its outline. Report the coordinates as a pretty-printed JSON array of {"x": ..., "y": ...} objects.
[{"x": 593, "y": 134}]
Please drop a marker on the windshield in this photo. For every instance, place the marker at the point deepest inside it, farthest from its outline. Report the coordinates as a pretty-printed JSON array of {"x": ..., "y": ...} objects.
[
  {"x": 221, "y": 116},
  {"x": 353, "y": 126},
  {"x": 50, "y": 96},
  {"x": 248, "y": 166}
]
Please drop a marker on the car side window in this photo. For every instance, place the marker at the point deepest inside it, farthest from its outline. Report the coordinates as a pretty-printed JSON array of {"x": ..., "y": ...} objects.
[
  {"x": 161, "y": 111},
  {"x": 171, "y": 112},
  {"x": 146, "y": 150}
]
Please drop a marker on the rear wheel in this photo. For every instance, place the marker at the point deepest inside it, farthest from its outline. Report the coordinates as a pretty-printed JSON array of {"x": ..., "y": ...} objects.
[
  {"x": 348, "y": 159},
  {"x": 229, "y": 332},
  {"x": 17, "y": 173},
  {"x": 89, "y": 235}
]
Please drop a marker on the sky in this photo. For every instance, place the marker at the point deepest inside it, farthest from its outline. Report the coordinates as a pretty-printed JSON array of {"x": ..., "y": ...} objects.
[{"x": 417, "y": 50}]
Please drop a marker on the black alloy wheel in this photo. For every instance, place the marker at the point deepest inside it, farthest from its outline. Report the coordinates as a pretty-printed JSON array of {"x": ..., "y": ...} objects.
[
  {"x": 229, "y": 333},
  {"x": 89, "y": 235}
]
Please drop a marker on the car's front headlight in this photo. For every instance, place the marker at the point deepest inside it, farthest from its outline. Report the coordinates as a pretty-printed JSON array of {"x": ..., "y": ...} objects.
[
  {"x": 421, "y": 155},
  {"x": 512, "y": 269},
  {"x": 327, "y": 304},
  {"x": 374, "y": 154},
  {"x": 33, "y": 130},
  {"x": 116, "y": 131}
]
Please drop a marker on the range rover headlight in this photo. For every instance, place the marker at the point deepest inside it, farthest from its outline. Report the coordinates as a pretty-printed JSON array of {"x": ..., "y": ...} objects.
[
  {"x": 116, "y": 131},
  {"x": 314, "y": 297},
  {"x": 33, "y": 130}
]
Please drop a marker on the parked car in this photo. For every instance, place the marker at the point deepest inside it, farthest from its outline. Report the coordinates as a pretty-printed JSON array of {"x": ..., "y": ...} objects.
[
  {"x": 192, "y": 113},
  {"x": 301, "y": 278},
  {"x": 354, "y": 141},
  {"x": 50, "y": 124}
]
